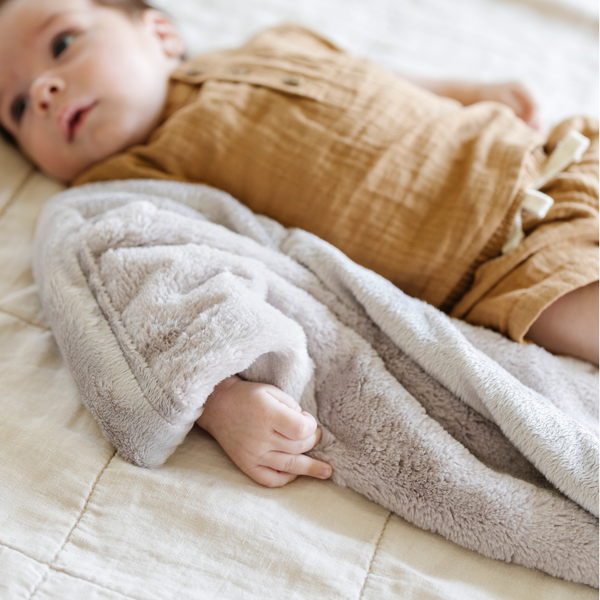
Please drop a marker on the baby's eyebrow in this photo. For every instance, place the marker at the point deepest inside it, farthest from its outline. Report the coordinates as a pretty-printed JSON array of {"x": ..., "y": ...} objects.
[{"x": 49, "y": 20}]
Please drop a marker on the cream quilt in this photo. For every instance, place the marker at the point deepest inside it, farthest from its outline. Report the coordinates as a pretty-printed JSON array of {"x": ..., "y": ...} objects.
[{"x": 76, "y": 521}]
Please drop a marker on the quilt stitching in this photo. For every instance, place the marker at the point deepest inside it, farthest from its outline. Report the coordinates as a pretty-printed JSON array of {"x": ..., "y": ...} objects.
[
  {"x": 22, "y": 320},
  {"x": 362, "y": 591},
  {"x": 3, "y": 544},
  {"x": 68, "y": 537},
  {"x": 50, "y": 568}
]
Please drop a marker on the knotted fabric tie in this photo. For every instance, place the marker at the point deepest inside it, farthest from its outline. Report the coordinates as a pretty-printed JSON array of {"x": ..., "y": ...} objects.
[{"x": 569, "y": 150}]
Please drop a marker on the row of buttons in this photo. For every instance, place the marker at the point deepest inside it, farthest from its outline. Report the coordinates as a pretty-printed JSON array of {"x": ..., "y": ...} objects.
[{"x": 289, "y": 79}]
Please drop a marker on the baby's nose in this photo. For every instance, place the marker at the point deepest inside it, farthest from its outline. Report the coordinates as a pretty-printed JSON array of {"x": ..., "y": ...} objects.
[{"x": 43, "y": 92}]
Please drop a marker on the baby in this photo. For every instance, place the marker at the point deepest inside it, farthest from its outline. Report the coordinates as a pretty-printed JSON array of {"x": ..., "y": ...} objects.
[{"x": 407, "y": 182}]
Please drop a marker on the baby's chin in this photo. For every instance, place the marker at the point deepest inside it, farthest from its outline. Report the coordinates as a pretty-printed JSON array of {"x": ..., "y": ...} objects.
[
  {"x": 65, "y": 173},
  {"x": 68, "y": 169},
  {"x": 66, "y": 166}
]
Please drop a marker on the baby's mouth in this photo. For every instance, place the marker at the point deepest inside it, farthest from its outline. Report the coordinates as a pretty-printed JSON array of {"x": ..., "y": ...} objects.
[{"x": 73, "y": 117}]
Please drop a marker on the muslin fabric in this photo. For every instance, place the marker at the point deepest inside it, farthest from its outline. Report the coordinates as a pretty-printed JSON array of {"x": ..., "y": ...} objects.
[{"x": 411, "y": 185}]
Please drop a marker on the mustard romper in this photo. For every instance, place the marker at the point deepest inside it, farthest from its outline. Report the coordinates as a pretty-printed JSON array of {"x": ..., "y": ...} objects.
[{"x": 411, "y": 185}]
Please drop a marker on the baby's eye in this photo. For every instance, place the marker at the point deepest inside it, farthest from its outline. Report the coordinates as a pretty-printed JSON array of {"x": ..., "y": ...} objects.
[
  {"x": 61, "y": 43},
  {"x": 18, "y": 108}
]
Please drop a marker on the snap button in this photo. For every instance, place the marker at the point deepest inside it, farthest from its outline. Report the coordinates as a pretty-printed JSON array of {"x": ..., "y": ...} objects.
[
  {"x": 239, "y": 71},
  {"x": 294, "y": 80},
  {"x": 195, "y": 70}
]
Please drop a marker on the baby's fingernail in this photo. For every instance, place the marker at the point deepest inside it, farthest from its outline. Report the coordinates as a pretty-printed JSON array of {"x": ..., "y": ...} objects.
[{"x": 325, "y": 473}]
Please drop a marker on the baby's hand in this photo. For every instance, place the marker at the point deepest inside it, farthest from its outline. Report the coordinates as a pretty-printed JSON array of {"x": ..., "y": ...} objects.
[
  {"x": 264, "y": 432},
  {"x": 513, "y": 94}
]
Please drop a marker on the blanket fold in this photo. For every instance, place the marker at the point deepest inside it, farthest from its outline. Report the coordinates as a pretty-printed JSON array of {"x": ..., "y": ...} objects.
[{"x": 157, "y": 291}]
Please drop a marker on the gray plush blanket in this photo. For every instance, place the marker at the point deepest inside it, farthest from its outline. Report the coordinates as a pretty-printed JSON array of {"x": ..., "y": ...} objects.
[{"x": 157, "y": 291}]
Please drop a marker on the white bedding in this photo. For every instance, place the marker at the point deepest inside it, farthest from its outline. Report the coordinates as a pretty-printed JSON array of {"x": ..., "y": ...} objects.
[{"x": 76, "y": 521}]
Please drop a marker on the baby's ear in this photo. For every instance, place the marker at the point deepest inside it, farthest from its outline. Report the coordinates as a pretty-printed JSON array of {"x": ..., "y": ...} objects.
[{"x": 163, "y": 28}]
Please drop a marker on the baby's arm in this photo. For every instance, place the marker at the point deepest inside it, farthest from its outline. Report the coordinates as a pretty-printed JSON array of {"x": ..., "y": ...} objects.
[
  {"x": 264, "y": 432},
  {"x": 511, "y": 93}
]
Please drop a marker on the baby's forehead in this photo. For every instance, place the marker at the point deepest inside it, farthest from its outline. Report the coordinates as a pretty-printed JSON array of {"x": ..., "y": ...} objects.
[
  {"x": 31, "y": 16},
  {"x": 23, "y": 22},
  {"x": 23, "y": 19}
]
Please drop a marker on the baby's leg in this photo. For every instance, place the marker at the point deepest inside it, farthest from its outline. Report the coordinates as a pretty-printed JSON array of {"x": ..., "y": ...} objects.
[{"x": 570, "y": 325}]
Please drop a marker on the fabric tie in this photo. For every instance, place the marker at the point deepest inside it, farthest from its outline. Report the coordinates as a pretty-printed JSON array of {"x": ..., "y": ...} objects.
[{"x": 569, "y": 150}]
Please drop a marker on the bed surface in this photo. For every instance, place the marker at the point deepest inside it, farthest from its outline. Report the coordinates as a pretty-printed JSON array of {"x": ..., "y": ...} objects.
[{"x": 76, "y": 521}]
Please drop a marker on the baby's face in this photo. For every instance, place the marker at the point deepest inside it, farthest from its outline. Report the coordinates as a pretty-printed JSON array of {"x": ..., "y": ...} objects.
[{"x": 81, "y": 82}]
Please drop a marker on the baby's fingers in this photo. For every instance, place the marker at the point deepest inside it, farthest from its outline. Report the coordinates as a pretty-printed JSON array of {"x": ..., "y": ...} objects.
[
  {"x": 284, "y": 444},
  {"x": 294, "y": 425},
  {"x": 296, "y": 464},
  {"x": 270, "y": 477},
  {"x": 523, "y": 103}
]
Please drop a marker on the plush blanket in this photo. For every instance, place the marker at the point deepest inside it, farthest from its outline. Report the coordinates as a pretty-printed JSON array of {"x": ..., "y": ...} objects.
[{"x": 157, "y": 291}]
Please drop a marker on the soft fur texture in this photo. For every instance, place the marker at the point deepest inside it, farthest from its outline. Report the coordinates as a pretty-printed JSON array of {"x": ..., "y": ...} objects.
[{"x": 157, "y": 291}]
